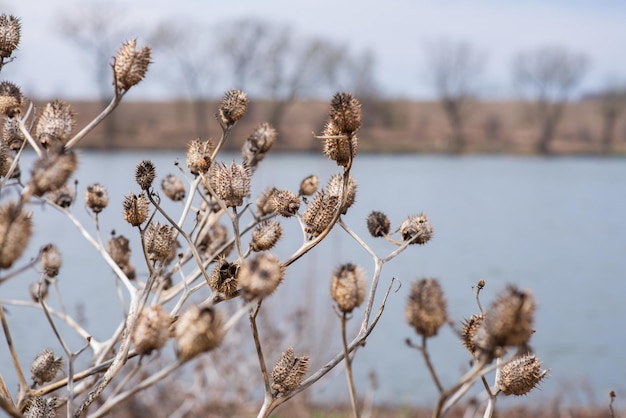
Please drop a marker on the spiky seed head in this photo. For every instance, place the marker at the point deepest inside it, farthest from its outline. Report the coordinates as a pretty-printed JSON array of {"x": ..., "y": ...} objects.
[
  {"x": 232, "y": 107},
  {"x": 258, "y": 144},
  {"x": 51, "y": 171},
  {"x": 130, "y": 65},
  {"x": 38, "y": 291},
  {"x": 339, "y": 146},
  {"x": 64, "y": 196},
  {"x": 378, "y": 224},
  {"x": 119, "y": 249},
  {"x": 345, "y": 112},
  {"x": 265, "y": 202},
  {"x": 231, "y": 184},
  {"x": 173, "y": 187},
  {"x": 521, "y": 375},
  {"x": 319, "y": 213},
  {"x": 135, "y": 209},
  {"x": 45, "y": 367},
  {"x": 198, "y": 330},
  {"x": 152, "y": 330},
  {"x": 309, "y": 185},
  {"x": 145, "y": 172},
  {"x": 10, "y": 32},
  {"x": 15, "y": 231},
  {"x": 5, "y": 160},
  {"x": 12, "y": 136},
  {"x": 260, "y": 276},
  {"x": 11, "y": 99},
  {"x": 223, "y": 278},
  {"x": 347, "y": 287},
  {"x": 285, "y": 203},
  {"x": 55, "y": 124},
  {"x": 289, "y": 371},
  {"x": 468, "y": 332},
  {"x": 159, "y": 241},
  {"x": 426, "y": 308},
  {"x": 51, "y": 260},
  {"x": 40, "y": 407},
  {"x": 335, "y": 188},
  {"x": 199, "y": 156},
  {"x": 96, "y": 197},
  {"x": 265, "y": 235},
  {"x": 416, "y": 226}
]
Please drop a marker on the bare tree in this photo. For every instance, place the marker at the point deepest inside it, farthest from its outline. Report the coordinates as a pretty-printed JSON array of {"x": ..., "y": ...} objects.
[
  {"x": 612, "y": 103},
  {"x": 455, "y": 68},
  {"x": 547, "y": 76}
]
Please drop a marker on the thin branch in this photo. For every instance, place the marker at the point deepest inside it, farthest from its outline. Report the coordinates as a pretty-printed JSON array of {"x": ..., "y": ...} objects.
[
  {"x": 346, "y": 354},
  {"x": 16, "y": 362}
]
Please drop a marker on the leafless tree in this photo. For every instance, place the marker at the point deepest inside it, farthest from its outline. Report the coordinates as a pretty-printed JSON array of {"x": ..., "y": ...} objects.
[
  {"x": 455, "y": 69},
  {"x": 546, "y": 77},
  {"x": 612, "y": 103}
]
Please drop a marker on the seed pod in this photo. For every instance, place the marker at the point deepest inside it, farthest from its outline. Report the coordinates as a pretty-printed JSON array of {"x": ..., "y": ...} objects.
[
  {"x": 223, "y": 278},
  {"x": 159, "y": 242},
  {"x": 285, "y": 203},
  {"x": 39, "y": 407},
  {"x": 130, "y": 65},
  {"x": 470, "y": 327},
  {"x": 231, "y": 184},
  {"x": 266, "y": 235},
  {"x": 5, "y": 160},
  {"x": 289, "y": 371},
  {"x": 15, "y": 230},
  {"x": 129, "y": 270},
  {"x": 319, "y": 213},
  {"x": 265, "y": 202},
  {"x": 199, "y": 156},
  {"x": 521, "y": 375},
  {"x": 55, "y": 124},
  {"x": 335, "y": 188},
  {"x": 416, "y": 225},
  {"x": 51, "y": 171},
  {"x": 339, "y": 146},
  {"x": 232, "y": 107},
  {"x": 378, "y": 224},
  {"x": 197, "y": 330},
  {"x": 119, "y": 250},
  {"x": 145, "y": 172},
  {"x": 10, "y": 32},
  {"x": 64, "y": 196},
  {"x": 152, "y": 330},
  {"x": 12, "y": 136},
  {"x": 11, "y": 99},
  {"x": 96, "y": 197},
  {"x": 258, "y": 144},
  {"x": 135, "y": 209},
  {"x": 173, "y": 187},
  {"x": 347, "y": 287},
  {"x": 45, "y": 367},
  {"x": 345, "y": 112},
  {"x": 426, "y": 308},
  {"x": 38, "y": 291},
  {"x": 260, "y": 276},
  {"x": 309, "y": 185},
  {"x": 51, "y": 260}
]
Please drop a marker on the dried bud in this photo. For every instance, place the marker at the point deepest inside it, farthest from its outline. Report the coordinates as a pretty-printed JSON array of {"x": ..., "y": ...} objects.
[
  {"x": 345, "y": 112},
  {"x": 223, "y": 278},
  {"x": 470, "y": 327},
  {"x": 11, "y": 99},
  {"x": 309, "y": 185},
  {"x": 378, "y": 224},
  {"x": 199, "y": 156},
  {"x": 319, "y": 213},
  {"x": 145, "y": 172},
  {"x": 55, "y": 124},
  {"x": 152, "y": 330},
  {"x": 231, "y": 184},
  {"x": 63, "y": 196},
  {"x": 130, "y": 65},
  {"x": 258, "y": 144},
  {"x": 260, "y": 276},
  {"x": 119, "y": 250},
  {"x": 232, "y": 107},
  {"x": 39, "y": 407},
  {"x": 197, "y": 330},
  {"x": 426, "y": 308},
  {"x": 265, "y": 202},
  {"x": 338, "y": 146},
  {"x": 521, "y": 375},
  {"x": 51, "y": 171},
  {"x": 289, "y": 371},
  {"x": 173, "y": 187},
  {"x": 38, "y": 291},
  {"x": 15, "y": 230},
  {"x": 285, "y": 203},
  {"x": 12, "y": 136},
  {"x": 96, "y": 197},
  {"x": 416, "y": 226},
  {"x": 10, "y": 31},
  {"x": 159, "y": 241},
  {"x": 481, "y": 284},
  {"x": 135, "y": 209},
  {"x": 45, "y": 367},
  {"x": 51, "y": 260},
  {"x": 335, "y": 188},
  {"x": 266, "y": 235},
  {"x": 347, "y": 287}
]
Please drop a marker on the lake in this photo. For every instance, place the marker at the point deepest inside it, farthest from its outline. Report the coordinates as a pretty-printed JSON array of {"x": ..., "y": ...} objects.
[{"x": 553, "y": 225}]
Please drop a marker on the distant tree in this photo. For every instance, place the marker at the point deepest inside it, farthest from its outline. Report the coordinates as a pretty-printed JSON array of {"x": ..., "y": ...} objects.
[
  {"x": 612, "y": 103},
  {"x": 455, "y": 69},
  {"x": 547, "y": 77}
]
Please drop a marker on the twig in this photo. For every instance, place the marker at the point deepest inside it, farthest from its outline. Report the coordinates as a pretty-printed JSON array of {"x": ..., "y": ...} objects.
[
  {"x": 16, "y": 363},
  {"x": 346, "y": 354},
  {"x": 91, "y": 125}
]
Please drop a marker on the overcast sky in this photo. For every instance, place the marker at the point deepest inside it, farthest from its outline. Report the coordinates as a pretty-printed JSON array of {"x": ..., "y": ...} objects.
[{"x": 394, "y": 30}]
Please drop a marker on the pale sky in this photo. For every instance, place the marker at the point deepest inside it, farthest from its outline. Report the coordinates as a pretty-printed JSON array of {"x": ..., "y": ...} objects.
[{"x": 394, "y": 30}]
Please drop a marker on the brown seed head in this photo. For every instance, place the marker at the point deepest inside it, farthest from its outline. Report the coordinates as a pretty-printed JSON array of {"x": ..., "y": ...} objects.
[
  {"x": 159, "y": 242},
  {"x": 64, "y": 196},
  {"x": 470, "y": 327},
  {"x": 51, "y": 260},
  {"x": 130, "y": 65},
  {"x": 38, "y": 291},
  {"x": 258, "y": 144},
  {"x": 335, "y": 188},
  {"x": 289, "y": 371},
  {"x": 426, "y": 308},
  {"x": 309, "y": 185},
  {"x": 197, "y": 330},
  {"x": 51, "y": 171},
  {"x": 173, "y": 187},
  {"x": 260, "y": 276},
  {"x": 11, "y": 134},
  {"x": 55, "y": 124},
  {"x": 145, "y": 172},
  {"x": 347, "y": 287},
  {"x": 135, "y": 209},
  {"x": 39, "y": 407},
  {"x": 339, "y": 146},
  {"x": 10, "y": 32},
  {"x": 45, "y": 367},
  {"x": 199, "y": 156},
  {"x": 232, "y": 107},
  {"x": 266, "y": 235},
  {"x": 285, "y": 203},
  {"x": 265, "y": 202},
  {"x": 319, "y": 213},
  {"x": 345, "y": 112},
  {"x": 119, "y": 250},
  {"x": 521, "y": 375},
  {"x": 17, "y": 172},
  {"x": 223, "y": 278},
  {"x": 152, "y": 330},
  {"x": 15, "y": 231},
  {"x": 96, "y": 197},
  {"x": 231, "y": 184},
  {"x": 11, "y": 99},
  {"x": 5, "y": 160},
  {"x": 378, "y": 224},
  {"x": 416, "y": 225}
]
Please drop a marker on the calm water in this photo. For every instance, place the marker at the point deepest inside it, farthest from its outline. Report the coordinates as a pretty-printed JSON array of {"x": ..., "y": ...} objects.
[{"x": 555, "y": 226}]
